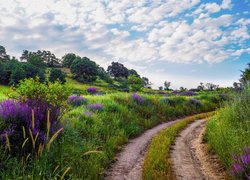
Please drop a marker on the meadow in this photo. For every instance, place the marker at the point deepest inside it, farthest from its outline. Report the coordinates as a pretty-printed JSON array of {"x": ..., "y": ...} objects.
[{"x": 95, "y": 127}]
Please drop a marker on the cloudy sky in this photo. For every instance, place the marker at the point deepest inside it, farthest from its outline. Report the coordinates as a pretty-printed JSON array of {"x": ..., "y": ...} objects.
[{"x": 182, "y": 41}]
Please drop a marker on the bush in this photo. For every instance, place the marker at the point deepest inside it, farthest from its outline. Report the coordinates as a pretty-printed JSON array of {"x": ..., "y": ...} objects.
[
  {"x": 57, "y": 75},
  {"x": 92, "y": 90},
  {"x": 135, "y": 83}
]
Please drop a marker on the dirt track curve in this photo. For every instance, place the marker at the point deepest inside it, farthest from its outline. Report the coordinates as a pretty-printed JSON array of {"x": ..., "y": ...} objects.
[
  {"x": 189, "y": 156},
  {"x": 130, "y": 160}
]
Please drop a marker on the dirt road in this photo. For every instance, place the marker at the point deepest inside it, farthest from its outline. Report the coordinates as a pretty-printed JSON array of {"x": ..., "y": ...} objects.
[
  {"x": 190, "y": 158},
  {"x": 130, "y": 160}
]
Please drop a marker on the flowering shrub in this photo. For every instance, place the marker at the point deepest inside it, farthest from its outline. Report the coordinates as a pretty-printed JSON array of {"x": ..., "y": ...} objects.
[
  {"x": 20, "y": 120},
  {"x": 188, "y": 93},
  {"x": 241, "y": 165},
  {"x": 138, "y": 99},
  {"x": 95, "y": 107},
  {"x": 92, "y": 90},
  {"x": 195, "y": 102},
  {"x": 77, "y": 100}
]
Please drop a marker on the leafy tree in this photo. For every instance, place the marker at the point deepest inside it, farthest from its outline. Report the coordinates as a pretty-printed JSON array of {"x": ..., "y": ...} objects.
[
  {"x": 160, "y": 88},
  {"x": 133, "y": 72},
  {"x": 84, "y": 70},
  {"x": 201, "y": 87},
  {"x": 182, "y": 89},
  {"x": 245, "y": 77},
  {"x": 34, "y": 71},
  {"x": 36, "y": 61},
  {"x": 68, "y": 59},
  {"x": 104, "y": 75},
  {"x": 3, "y": 55},
  {"x": 117, "y": 70},
  {"x": 211, "y": 86},
  {"x": 167, "y": 85},
  {"x": 135, "y": 83},
  {"x": 6, "y": 70},
  {"x": 57, "y": 74},
  {"x": 17, "y": 75}
]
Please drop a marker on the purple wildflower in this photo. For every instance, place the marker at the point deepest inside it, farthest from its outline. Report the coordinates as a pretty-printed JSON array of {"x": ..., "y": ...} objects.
[
  {"x": 241, "y": 165},
  {"x": 77, "y": 100},
  {"x": 195, "y": 102},
  {"x": 88, "y": 113},
  {"x": 188, "y": 93},
  {"x": 95, "y": 107},
  {"x": 138, "y": 98},
  {"x": 92, "y": 90}
]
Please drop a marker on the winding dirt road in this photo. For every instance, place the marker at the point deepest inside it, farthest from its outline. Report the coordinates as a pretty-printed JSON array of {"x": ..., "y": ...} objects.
[
  {"x": 130, "y": 161},
  {"x": 190, "y": 158}
]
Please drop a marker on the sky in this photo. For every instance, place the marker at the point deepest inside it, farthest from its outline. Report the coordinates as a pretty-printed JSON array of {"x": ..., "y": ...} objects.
[{"x": 182, "y": 41}]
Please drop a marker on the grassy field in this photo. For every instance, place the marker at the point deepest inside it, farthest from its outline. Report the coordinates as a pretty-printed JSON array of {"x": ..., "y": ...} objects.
[
  {"x": 228, "y": 133},
  {"x": 96, "y": 126}
]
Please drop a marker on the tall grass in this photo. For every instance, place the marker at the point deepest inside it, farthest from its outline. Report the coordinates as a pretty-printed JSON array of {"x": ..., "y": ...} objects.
[{"x": 228, "y": 133}]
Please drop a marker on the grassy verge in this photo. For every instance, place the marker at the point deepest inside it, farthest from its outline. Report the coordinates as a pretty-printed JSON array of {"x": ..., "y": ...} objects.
[
  {"x": 157, "y": 164},
  {"x": 228, "y": 132}
]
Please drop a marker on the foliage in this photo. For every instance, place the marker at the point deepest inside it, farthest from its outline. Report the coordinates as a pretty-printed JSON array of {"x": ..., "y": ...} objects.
[
  {"x": 156, "y": 163},
  {"x": 245, "y": 77},
  {"x": 133, "y": 72},
  {"x": 228, "y": 132},
  {"x": 92, "y": 90},
  {"x": 68, "y": 59},
  {"x": 135, "y": 83},
  {"x": 117, "y": 70},
  {"x": 167, "y": 85},
  {"x": 57, "y": 75},
  {"x": 84, "y": 69},
  {"x": 3, "y": 55}
]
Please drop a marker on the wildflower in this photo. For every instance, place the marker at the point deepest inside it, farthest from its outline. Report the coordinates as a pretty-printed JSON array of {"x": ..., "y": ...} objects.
[
  {"x": 92, "y": 90},
  {"x": 95, "y": 107},
  {"x": 77, "y": 100},
  {"x": 88, "y": 113},
  {"x": 195, "y": 102},
  {"x": 188, "y": 93},
  {"x": 138, "y": 98}
]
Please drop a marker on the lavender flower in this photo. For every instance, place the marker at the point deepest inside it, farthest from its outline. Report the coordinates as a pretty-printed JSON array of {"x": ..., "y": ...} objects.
[
  {"x": 188, "y": 93},
  {"x": 77, "y": 100},
  {"x": 95, "y": 107},
  {"x": 241, "y": 165},
  {"x": 92, "y": 90},
  {"x": 138, "y": 99},
  {"x": 195, "y": 102}
]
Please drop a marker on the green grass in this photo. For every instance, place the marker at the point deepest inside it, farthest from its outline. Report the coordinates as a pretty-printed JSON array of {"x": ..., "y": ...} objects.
[
  {"x": 228, "y": 133},
  {"x": 157, "y": 164},
  {"x": 107, "y": 130},
  {"x": 3, "y": 92}
]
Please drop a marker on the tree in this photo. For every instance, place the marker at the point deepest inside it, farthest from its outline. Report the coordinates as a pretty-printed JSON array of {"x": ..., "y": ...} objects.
[
  {"x": 34, "y": 71},
  {"x": 135, "y": 83},
  {"x": 84, "y": 70},
  {"x": 182, "y": 89},
  {"x": 167, "y": 85},
  {"x": 160, "y": 88},
  {"x": 133, "y": 72},
  {"x": 17, "y": 75},
  {"x": 201, "y": 87},
  {"x": 211, "y": 86},
  {"x": 103, "y": 74},
  {"x": 57, "y": 75},
  {"x": 36, "y": 61},
  {"x": 245, "y": 76},
  {"x": 117, "y": 70},
  {"x": 68, "y": 59},
  {"x": 3, "y": 55}
]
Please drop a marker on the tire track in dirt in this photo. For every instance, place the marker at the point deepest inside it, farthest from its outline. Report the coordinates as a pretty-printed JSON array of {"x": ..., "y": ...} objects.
[
  {"x": 189, "y": 156},
  {"x": 130, "y": 160}
]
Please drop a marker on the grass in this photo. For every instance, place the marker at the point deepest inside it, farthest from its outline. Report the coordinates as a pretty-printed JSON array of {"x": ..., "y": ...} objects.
[
  {"x": 156, "y": 163},
  {"x": 228, "y": 133},
  {"x": 108, "y": 129},
  {"x": 92, "y": 137},
  {"x": 3, "y": 91}
]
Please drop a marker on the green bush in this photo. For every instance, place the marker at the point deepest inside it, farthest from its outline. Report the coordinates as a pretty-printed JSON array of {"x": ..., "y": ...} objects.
[{"x": 57, "y": 75}]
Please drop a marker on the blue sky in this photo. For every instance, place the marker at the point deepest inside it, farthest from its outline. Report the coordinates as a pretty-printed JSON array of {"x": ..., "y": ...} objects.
[{"x": 182, "y": 41}]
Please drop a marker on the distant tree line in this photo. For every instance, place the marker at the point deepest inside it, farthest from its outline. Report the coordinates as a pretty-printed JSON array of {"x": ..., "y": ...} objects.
[{"x": 47, "y": 66}]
